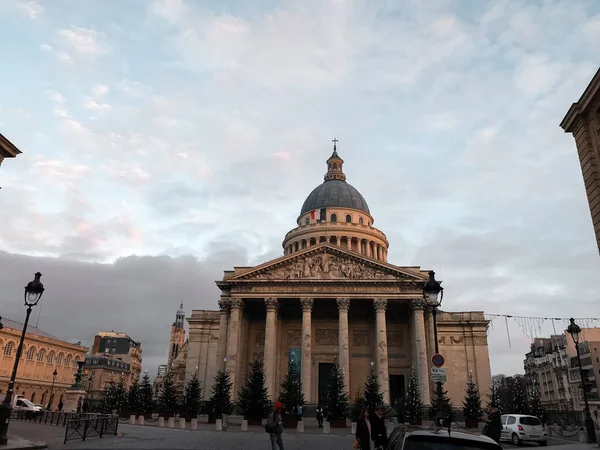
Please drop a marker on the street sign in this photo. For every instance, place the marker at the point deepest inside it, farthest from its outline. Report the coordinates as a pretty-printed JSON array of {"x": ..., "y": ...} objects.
[
  {"x": 437, "y": 360},
  {"x": 438, "y": 374}
]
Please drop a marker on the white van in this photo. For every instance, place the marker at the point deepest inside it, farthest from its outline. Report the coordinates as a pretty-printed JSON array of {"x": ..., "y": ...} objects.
[
  {"x": 518, "y": 428},
  {"x": 22, "y": 404}
]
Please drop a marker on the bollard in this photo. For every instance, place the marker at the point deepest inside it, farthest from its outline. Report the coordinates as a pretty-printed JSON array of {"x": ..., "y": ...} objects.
[
  {"x": 326, "y": 428},
  {"x": 194, "y": 424},
  {"x": 171, "y": 422},
  {"x": 141, "y": 420},
  {"x": 582, "y": 436},
  {"x": 244, "y": 426},
  {"x": 132, "y": 419},
  {"x": 300, "y": 427},
  {"x": 161, "y": 422},
  {"x": 219, "y": 425},
  {"x": 353, "y": 428},
  {"x": 182, "y": 423}
]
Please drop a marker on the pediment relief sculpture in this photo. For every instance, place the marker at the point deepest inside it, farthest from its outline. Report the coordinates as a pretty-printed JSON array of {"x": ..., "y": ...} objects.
[{"x": 324, "y": 266}]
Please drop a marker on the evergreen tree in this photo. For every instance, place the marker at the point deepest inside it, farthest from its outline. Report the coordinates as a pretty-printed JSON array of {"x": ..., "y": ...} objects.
[
  {"x": 519, "y": 399},
  {"x": 494, "y": 400},
  {"x": 413, "y": 404},
  {"x": 336, "y": 401},
  {"x": 133, "y": 398},
  {"x": 220, "y": 398},
  {"x": 291, "y": 392},
  {"x": 373, "y": 394},
  {"x": 115, "y": 397},
  {"x": 535, "y": 405},
  {"x": 167, "y": 401},
  {"x": 358, "y": 404},
  {"x": 253, "y": 398},
  {"x": 472, "y": 402},
  {"x": 445, "y": 415},
  {"x": 191, "y": 400},
  {"x": 145, "y": 396}
]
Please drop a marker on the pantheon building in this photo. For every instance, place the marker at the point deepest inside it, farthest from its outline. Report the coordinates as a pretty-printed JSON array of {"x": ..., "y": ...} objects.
[{"x": 331, "y": 296}]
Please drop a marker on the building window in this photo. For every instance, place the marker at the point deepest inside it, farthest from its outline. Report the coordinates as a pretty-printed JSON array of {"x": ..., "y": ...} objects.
[
  {"x": 41, "y": 354},
  {"x": 68, "y": 360},
  {"x": 59, "y": 359},
  {"x": 50, "y": 358},
  {"x": 107, "y": 350},
  {"x": 348, "y": 218},
  {"x": 8, "y": 348},
  {"x": 307, "y": 221},
  {"x": 360, "y": 220},
  {"x": 334, "y": 217},
  {"x": 30, "y": 353}
]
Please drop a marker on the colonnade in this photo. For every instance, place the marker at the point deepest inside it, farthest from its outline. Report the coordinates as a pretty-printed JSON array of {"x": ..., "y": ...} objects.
[
  {"x": 368, "y": 248},
  {"x": 229, "y": 343}
]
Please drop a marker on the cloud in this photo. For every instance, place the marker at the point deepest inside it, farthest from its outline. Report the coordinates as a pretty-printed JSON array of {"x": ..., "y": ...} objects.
[
  {"x": 99, "y": 90},
  {"x": 93, "y": 105},
  {"x": 80, "y": 42},
  {"x": 32, "y": 8}
]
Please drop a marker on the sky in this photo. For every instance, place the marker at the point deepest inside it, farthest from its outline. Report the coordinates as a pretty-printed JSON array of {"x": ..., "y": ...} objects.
[{"x": 166, "y": 141}]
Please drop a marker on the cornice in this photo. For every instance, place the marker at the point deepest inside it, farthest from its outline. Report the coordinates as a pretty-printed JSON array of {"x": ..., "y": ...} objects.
[
  {"x": 31, "y": 339},
  {"x": 580, "y": 107}
]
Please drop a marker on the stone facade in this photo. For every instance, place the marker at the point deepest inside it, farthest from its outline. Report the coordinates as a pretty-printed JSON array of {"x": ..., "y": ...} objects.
[
  {"x": 42, "y": 355},
  {"x": 332, "y": 297},
  {"x": 583, "y": 121}
]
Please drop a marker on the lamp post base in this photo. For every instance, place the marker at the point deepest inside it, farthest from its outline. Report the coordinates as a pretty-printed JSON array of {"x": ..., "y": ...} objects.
[
  {"x": 71, "y": 398},
  {"x": 591, "y": 430},
  {"x": 5, "y": 411}
]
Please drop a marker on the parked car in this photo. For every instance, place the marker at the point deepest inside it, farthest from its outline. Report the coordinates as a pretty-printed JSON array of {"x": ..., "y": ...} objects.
[
  {"x": 403, "y": 438},
  {"x": 518, "y": 428}
]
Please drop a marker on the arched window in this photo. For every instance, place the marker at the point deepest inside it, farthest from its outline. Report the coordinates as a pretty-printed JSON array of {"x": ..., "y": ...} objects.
[
  {"x": 348, "y": 218},
  {"x": 68, "y": 360},
  {"x": 59, "y": 359},
  {"x": 8, "y": 348},
  {"x": 75, "y": 362},
  {"x": 307, "y": 221},
  {"x": 334, "y": 217},
  {"x": 41, "y": 354},
  {"x": 32, "y": 396},
  {"x": 50, "y": 358},
  {"x": 360, "y": 221},
  {"x": 30, "y": 353},
  {"x": 334, "y": 166}
]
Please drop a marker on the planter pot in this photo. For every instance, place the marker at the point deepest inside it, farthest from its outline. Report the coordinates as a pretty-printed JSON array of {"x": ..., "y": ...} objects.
[
  {"x": 290, "y": 422},
  {"x": 337, "y": 423},
  {"x": 471, "y": 423},
  {"x": 254, "y": 422}
]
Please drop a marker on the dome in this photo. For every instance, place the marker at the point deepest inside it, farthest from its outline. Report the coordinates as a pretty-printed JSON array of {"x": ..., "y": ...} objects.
[{"x": 335, "y": 193}]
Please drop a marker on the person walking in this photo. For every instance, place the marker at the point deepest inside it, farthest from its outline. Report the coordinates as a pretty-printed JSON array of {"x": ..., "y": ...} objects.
[
  {"x": 379, "y": 433},
  {"x": 85, "y": 407},
  {"x": 78, "y": 405},
  {"x": 320, "y": 416},
  {"x": 493, "y": 425},
  {"x": 275, "y": 427},
  {"x": 363, "y": 431},
  {"x": 60, "y": 406}
]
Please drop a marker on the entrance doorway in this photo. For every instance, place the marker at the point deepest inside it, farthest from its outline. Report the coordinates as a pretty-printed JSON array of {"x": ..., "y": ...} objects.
[
  {"x": 397, "y": 388},
  {"x": 325, "y": 370}
]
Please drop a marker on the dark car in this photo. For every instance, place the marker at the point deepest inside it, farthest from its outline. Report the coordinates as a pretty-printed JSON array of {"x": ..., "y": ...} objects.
[{"x": 403, "y": 438}]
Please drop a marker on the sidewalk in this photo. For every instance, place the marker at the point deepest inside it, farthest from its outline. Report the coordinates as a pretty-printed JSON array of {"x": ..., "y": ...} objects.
[{"x": 17, "y": 442}]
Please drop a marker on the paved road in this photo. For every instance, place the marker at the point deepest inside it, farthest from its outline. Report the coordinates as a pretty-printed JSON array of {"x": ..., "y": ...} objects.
[{"x": 135, "y": 437}]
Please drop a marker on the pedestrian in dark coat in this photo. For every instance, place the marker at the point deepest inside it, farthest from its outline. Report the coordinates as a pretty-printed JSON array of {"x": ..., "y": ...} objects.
[
  {"x": 363, "y": 431},
  {"x": 379, "y": 433},
  {"x": 493, "y": 425}
]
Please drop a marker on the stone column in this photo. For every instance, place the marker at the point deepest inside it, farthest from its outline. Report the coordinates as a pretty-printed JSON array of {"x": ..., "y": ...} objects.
[
  {"x": 222, "y": 347},
  {"x": 368, "y": 248},
  {"x": 307, "y": 304},
  {"x": 344, "y": 355},
  {"x": 421, "y": 351},
  {"x": 272, "y": 306},
  {"x": 383, "y": 376},
  {"x": 233, "y": 338}
]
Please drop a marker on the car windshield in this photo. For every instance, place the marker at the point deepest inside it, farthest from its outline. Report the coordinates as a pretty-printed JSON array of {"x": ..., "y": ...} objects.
[
  {"x": 529, "y": 421},
  {"x": 435, "y": 443}
]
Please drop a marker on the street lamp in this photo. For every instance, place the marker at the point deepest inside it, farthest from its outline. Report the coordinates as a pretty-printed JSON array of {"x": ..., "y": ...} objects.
[
  {"x": 433, "y": 293},
  {"x": 574, "y": 330},
  {"x": 54, "y": 374},
  {"x": 33, "y": 293}
]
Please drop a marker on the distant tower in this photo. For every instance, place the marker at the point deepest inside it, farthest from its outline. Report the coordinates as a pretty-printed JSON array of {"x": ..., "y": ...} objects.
[{"x": 177, "y": 335}]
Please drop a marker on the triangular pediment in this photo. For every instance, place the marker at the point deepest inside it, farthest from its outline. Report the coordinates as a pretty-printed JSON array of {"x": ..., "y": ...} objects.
[{"x": 326, "y": 262}]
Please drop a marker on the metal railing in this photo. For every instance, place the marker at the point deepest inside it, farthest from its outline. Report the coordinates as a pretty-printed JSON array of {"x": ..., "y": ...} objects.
[
  {"x": 56, "y": 418},
  {"x": 86, "y": 427}
]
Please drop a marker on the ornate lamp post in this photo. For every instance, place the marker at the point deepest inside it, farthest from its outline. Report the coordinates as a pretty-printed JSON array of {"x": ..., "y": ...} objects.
[
  {"x": 33, "y": 293},
  {"x": 54, "y": 374},
  {"x": 574, "y": 330},
  {"x": 433, "y": 293}
]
